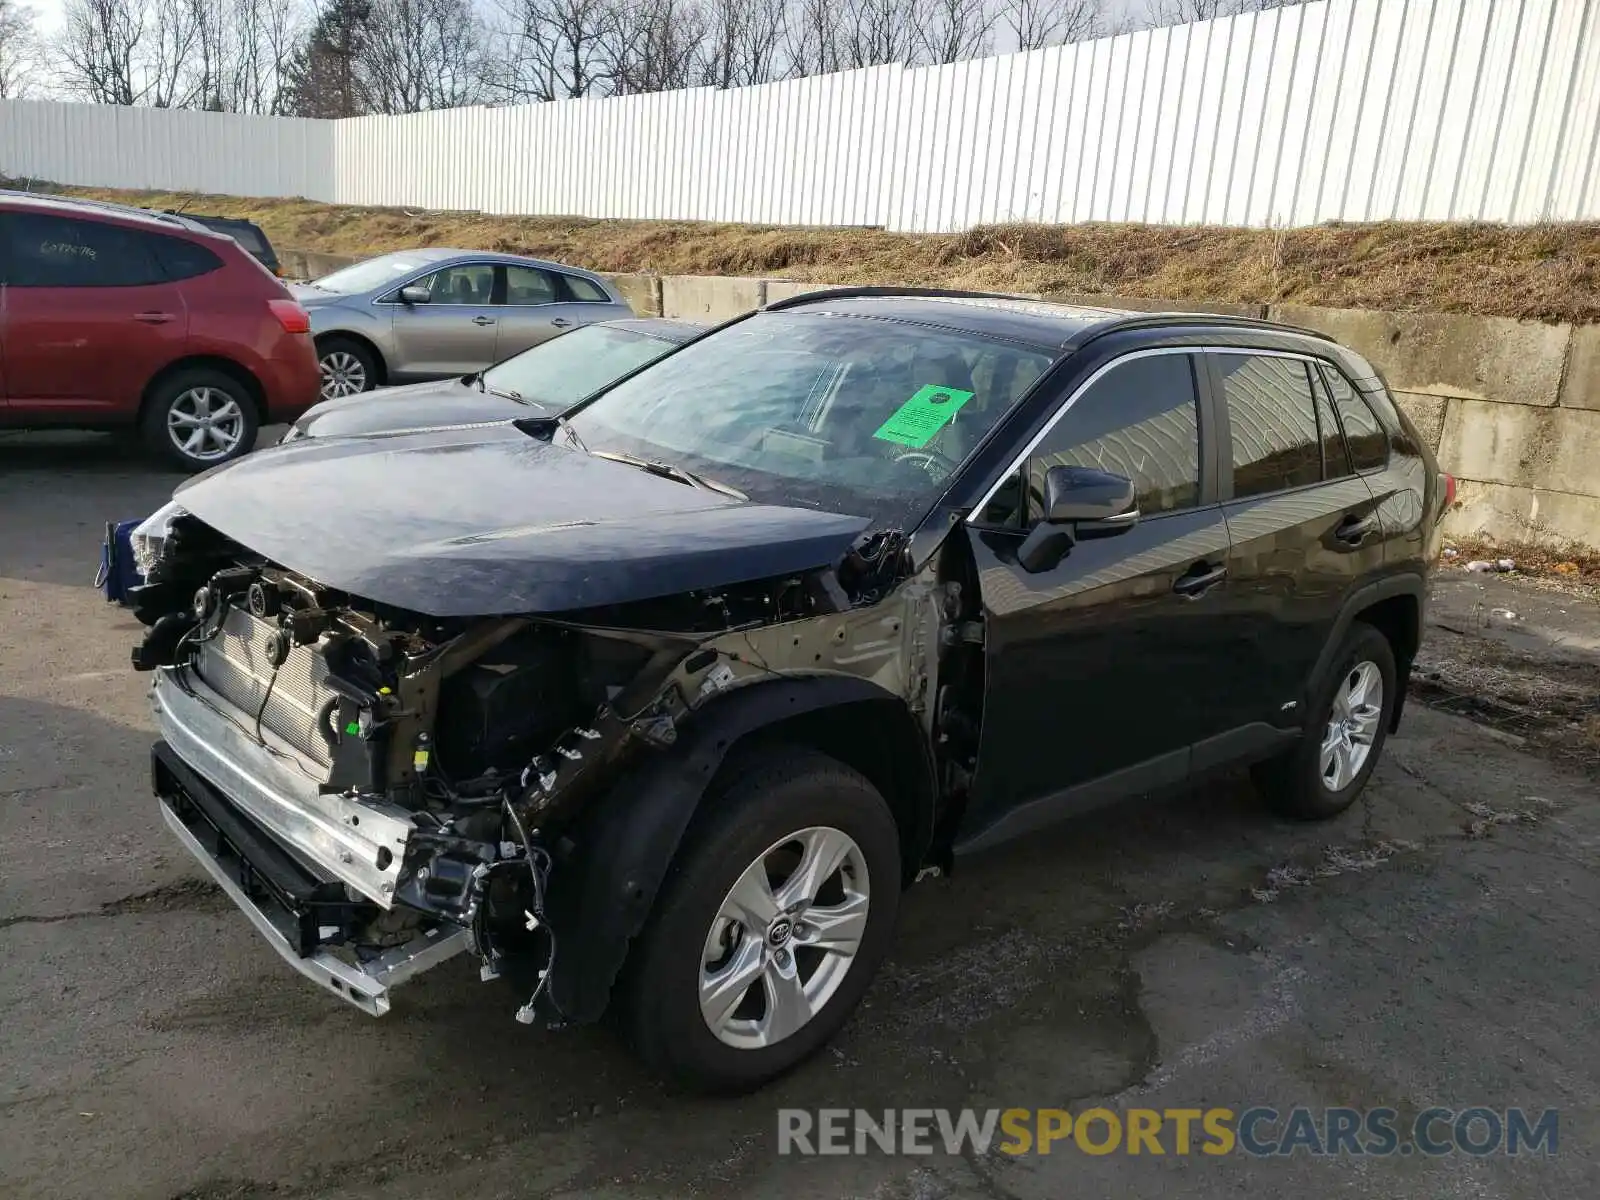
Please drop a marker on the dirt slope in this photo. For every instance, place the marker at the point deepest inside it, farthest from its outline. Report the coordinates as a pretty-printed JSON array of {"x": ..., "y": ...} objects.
[{"x": 1546, "y": 272}]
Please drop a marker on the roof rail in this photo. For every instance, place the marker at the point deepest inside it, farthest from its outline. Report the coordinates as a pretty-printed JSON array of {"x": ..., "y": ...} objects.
[
  {"x": 852, "y": 293},
  {"x": 109, "y": 206},
  {"x": 1160, "y": 320}
]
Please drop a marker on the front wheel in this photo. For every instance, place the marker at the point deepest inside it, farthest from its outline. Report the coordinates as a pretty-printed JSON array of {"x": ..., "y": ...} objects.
[
  {"x": 200, "y": 418},
  {"x": 1326, "y": 771},
  {"x": 770, "y": 927}
]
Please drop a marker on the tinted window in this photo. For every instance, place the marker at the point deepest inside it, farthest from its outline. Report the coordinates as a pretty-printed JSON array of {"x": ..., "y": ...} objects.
[
  {"x": 180, "y": 259},
  {"x": 1273, "y": 422},
  {"x": 582, "y": 289},
  {"x": 49, "y": 251},
  {"x": 528, "y": 285},
  {"x": 471, "y": 283},
  {"x": 1368, "y": 447},
  {"x": 1335, "y": 462},
  {"x": 1139, "y": 420}
]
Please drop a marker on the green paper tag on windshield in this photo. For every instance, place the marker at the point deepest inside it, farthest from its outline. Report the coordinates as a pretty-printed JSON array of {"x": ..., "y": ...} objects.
[{"x": 929, "y": 410}]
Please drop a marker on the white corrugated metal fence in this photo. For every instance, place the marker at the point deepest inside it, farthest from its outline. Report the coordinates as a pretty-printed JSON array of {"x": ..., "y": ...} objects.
[{"x": 1354, "y": 110}]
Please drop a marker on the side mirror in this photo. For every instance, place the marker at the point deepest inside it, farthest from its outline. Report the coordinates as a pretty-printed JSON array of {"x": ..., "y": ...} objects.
[
  {"x": 415, "y": 294},
  {"x": 1079, "y": 503},
  {"x": 1083, "y": 496}
]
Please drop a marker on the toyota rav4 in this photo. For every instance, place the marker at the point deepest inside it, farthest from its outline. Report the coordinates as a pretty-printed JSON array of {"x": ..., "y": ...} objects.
[{"x": 657, "y": 706}]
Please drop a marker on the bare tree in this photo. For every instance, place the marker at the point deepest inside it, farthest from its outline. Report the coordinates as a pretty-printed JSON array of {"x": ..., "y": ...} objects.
[
  {"x": 552, "y": 49},
  {"x": 879, "y": 31},
  {"x": 101, "y": 49},
  {"x": 814, "y": 37},
  {"x": 654, "y": 45},
  {"x": 1184, "y": 12},
  {"x": 950, "y": 30},
  {"x": 743, "y": 42},
  {"x": 1036, "y": 23},
  {"x": 422, "y": 54},
  {"x": 19, "y": 50},
  {"x": 241, "y": 51}
]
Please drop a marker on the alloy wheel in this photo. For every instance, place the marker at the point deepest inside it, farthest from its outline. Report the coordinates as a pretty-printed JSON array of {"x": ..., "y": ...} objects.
[
  {"x": 1352, "y": 725},
  {"x": 343, "y": 374},
  {"x": 205, "y": 424},
  {"x": 784, "y": 938}
]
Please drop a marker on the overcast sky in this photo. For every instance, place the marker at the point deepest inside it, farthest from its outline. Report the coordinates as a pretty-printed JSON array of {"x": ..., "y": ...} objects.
[{"x": 49, "y": 14}]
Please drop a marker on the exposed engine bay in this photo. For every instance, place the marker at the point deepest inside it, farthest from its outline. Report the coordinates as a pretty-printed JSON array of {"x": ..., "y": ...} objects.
[{"x": 424, "y": 777}]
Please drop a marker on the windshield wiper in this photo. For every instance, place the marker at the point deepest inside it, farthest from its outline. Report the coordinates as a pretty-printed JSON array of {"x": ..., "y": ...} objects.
[
  {"x": 506, "y": 394},
  {"x": 670, "y": 471},
  {"x": 566, "y": 427}
]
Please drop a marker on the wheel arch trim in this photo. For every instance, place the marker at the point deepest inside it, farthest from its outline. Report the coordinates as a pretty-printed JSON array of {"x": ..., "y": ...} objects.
[
  {"x": 1361, "y": 600},
  {"x": 638, "y": 825}
]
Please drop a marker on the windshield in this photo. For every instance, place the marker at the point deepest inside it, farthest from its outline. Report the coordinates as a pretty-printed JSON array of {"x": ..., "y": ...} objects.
[
  {"x": 370, "y": 275},
  {"x": 853, "y": 414},
  {"x": 564, "y": 370}
]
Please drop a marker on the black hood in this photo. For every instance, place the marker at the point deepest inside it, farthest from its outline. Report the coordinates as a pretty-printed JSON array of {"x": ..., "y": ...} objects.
[
  {"x": 489, "y": 521},
  {"x": 416, "y": 406}
]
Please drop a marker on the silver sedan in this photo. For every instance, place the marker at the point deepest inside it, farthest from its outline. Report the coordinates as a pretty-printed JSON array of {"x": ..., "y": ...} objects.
[{"x": 432, "y": 314}]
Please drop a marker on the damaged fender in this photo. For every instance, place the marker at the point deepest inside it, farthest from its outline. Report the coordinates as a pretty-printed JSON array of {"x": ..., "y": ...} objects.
[{"x": 640, "y": 823}]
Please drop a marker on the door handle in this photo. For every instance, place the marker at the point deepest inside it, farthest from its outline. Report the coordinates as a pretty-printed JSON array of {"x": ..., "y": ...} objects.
[
  {"x": 483, "y": 320},
  {"x": 153, "y": 318},
  {"x": 1353, "y": 530},
  {"x": 1199, "y": 579},
  {"x": 560, "y": 322}
]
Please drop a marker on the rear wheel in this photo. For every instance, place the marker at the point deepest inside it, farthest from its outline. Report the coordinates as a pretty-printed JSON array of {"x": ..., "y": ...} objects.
[
  {"x": 770, "y": 927},
  {"x": 347, "y": 367},
  {"x": 198, "y": 418},
  {"x": 1327, "y": 770}
]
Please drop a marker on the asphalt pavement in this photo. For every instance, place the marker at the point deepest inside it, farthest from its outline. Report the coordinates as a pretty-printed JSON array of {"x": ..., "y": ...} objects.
[{"x": 1438, "y": 945}]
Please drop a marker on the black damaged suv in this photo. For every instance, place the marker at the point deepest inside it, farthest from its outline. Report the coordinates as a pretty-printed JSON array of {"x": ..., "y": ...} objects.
[{"x": 657, "y": 706}]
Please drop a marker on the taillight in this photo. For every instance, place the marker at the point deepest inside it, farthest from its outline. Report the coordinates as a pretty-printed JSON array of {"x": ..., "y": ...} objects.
[
  {"x": 291, "y": 316},
  {"x": 1449, "y": 489}
]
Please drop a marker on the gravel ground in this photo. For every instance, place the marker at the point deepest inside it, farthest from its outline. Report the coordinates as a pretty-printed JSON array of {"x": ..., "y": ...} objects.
[{"x": 1438, "y": 944}]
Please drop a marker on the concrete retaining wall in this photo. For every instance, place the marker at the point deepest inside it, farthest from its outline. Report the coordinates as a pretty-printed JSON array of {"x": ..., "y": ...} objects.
[{"x": 1512, "y": 408}]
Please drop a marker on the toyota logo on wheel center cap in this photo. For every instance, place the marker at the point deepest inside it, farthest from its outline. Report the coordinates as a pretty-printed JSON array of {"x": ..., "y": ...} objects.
[{"x": 780, "y": 931}]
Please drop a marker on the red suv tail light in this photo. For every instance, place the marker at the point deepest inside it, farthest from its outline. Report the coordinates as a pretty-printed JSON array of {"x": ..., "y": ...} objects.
[{"x": 291, "y": 316}]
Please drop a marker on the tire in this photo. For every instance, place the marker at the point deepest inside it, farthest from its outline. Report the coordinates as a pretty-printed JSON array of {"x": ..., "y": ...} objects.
[
  {"x": 200, "y": 418},
  {"x": 761, "y": 818},
  {"x": 348, "y": 367},
  {"x": 1315, "y": 780}
]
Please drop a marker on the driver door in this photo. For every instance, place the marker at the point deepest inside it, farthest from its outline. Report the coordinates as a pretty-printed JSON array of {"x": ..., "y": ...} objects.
[
  {"x": 1107, "y": 665},
  {"x": 454, "y": 332}
]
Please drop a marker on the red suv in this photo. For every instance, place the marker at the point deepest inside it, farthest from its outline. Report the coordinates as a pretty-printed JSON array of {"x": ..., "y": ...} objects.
[{"x": 114, "y": 318}]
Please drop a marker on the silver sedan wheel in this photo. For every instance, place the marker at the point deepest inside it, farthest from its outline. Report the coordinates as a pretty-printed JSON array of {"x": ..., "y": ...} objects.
[
  {"x": 206, "y": 424},
  {"x": 342, "y": 375},
  {"x": 784, "y": 938},
  {"x": 1352, "y": 726}
]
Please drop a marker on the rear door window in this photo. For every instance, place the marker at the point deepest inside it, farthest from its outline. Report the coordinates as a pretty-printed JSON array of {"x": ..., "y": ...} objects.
[
  {"x": 1276, "y": 443},
  {"x": 529, "y": 285},
  {"x": 62, "y": 252}
]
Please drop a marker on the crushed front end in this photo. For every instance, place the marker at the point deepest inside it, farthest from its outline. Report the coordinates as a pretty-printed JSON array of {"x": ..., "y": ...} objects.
[{"x": 379, "y": 789}]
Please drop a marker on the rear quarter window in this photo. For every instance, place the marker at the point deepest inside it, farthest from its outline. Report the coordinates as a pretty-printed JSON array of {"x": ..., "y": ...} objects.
[
  {"x": 183, "y": 259},
  {"x": 585, "y": 290},
  {"x": 1363, "y": 432}
]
